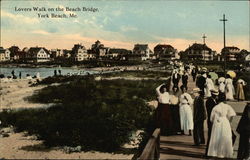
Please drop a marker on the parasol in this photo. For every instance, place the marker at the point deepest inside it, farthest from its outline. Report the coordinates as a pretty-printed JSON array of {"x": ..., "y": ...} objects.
[
  {"x": 232, "y": 74},
  {"x": 213, "y": 75}
]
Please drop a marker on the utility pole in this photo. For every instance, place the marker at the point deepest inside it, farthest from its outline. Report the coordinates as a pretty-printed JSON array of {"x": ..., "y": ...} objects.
[
  {"x": 224, "y": 37},
  {"x": 204, "y": 38},
  {"x": 204, "y": 42}
]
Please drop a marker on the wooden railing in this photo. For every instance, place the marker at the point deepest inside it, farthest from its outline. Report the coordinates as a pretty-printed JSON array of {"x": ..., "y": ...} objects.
[{"x": 152, "y": 149}]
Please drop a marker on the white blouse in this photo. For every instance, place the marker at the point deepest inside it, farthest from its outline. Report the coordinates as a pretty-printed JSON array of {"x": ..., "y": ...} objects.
[{"x": 163, "y": 98}]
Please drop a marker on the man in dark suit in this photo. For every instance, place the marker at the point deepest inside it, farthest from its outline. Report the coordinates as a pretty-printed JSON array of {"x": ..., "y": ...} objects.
[
  {"x": 244, "y": 130},
  {"x": 199, "y": 117},
  {"x": 210, "y": 103},
  {"x": 175, "y": 79},
  {"x": 201, "y": 82},
  {"x": 184, "y": 79}
]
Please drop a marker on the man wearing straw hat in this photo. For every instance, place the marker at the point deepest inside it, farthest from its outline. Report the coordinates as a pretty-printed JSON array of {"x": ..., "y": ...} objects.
[
  {"x": 199, "y": 117},
  {"x": 210, "y": 103}
]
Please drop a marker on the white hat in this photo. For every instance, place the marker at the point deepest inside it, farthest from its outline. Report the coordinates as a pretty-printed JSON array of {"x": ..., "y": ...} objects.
[
  {"x": 196, "y": 90},
  {"x": 214, "y": 92}
]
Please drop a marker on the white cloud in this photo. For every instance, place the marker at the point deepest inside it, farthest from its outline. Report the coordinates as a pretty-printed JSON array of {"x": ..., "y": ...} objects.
[
  {"x": 128, "y": 28},
  {"x": 19, "y": 17},
  {"x": 42, "y": 32}
]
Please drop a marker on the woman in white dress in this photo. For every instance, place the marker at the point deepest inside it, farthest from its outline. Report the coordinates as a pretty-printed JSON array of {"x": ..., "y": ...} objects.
[
  {"x": 186, "y": 114},
  {"x": 229, "y": 88},
  {"x": 221, "y": 144},
  {"x": 240, "y": 90},
  {"x": 209, "y": 86},
  {"x": 221, "y": 82}
]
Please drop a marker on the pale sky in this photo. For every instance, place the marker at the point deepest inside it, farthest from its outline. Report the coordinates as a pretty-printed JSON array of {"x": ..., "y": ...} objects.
[{"x": 123, "y": 23}]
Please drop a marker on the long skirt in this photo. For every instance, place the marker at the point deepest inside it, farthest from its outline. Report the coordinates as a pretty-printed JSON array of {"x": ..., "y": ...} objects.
[
  {"x": 186, "y": 118},
  {"x": 244, "y": 146},
  {"x": 221, "y": 144},
  {"x": 164, "y": 119},
  {"x": 240, "y": 92},
  {"x": 175, "y": 114}
]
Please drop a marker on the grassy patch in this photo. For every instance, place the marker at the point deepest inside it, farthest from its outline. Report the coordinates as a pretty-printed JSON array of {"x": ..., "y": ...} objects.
[{"x": 96, "y": 115}]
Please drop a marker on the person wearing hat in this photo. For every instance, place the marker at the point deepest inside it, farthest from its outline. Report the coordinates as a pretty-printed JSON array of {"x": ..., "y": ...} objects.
[
  {"x": 175, "y": 79},
  {"x": 199, "y": 117},
  {"x": 209, "y": 86},
  {"x": 240, "y": 95},
  {"x": 210, "y": 103},
  {"x": 186, "y": 115},
  {"x": 229, "y": 88},
  {"x": 201, "y": 82},
  {"x": 221, "y": 142},
  {"x": 184, "y": 79}
]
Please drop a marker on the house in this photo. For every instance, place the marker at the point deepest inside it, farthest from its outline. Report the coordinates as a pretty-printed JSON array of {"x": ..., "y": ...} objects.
[
  {"x": 99, "y": 50},
  {"x": 55, "y": 53},
  {"x": 14, "y": 52},
  {"x": 38, "y": 54},
  {"x": 4, "y": 54},
  {"x": 141, "y": 51},
  {"x": 79, "y": 53},
  {"x": 231, "y": 53},
  {"x": 118, "y": 53},
  {"x": 165, "y": 52},
  {"x": 199, "y": 52}
]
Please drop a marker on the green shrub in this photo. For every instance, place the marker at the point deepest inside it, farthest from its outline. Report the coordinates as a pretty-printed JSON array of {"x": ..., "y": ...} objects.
[{"x": 96, "y": 115}]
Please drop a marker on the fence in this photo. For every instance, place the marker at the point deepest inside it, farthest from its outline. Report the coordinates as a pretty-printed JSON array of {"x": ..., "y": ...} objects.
[{"x": 151, "y": 151}]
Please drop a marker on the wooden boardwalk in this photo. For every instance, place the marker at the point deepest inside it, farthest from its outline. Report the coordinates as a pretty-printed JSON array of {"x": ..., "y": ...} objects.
[{"x": 181, "y": 146}]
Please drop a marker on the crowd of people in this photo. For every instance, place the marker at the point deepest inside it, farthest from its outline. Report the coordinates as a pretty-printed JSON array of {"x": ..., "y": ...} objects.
[{"x": 182, "y": 112}]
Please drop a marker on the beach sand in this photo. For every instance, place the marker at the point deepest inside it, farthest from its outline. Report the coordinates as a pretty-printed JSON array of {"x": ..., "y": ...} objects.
[{"x": 21, "y": 146}]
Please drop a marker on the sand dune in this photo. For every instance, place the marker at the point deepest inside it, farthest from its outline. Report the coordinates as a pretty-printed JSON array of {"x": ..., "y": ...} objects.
[{"x": 20, "y": 146}]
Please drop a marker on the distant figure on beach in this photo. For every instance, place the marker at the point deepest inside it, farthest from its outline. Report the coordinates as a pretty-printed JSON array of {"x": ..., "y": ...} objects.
[
  {"x": 55, "y": 72},
  {"x": 186, "y": 115},
  {"x": 229, "y": 88},
  {"x": 199, "y": 117},
  {"x": 240, "y": 95},
  {"x": 210, "y": 103},
  {"x": 59, "y": 71},
  {"x": 13, "y": 73},
  {"x": 20, "y": 75},
  {"x": 163, "y": 113},
  {"x": 38, "y": 75},
  {"x": 184, "y": 79},
  {"x": 221, "y": 144},
  {"x": 244, "y": 130},
  {"x": 28, "y": 77}
]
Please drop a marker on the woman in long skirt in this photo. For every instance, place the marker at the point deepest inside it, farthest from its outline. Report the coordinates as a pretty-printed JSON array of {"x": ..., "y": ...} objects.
[
  {"x": 163, "y": 113},
  {"x": 186, "y": 114},
  {"x": 240, "y": 90},
  {"x": 229, "y": 89},
  {"x": 221, "y": 144}
]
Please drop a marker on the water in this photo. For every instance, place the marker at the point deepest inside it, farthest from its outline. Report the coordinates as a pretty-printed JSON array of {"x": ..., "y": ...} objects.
[{"x": 43, "y": 71}]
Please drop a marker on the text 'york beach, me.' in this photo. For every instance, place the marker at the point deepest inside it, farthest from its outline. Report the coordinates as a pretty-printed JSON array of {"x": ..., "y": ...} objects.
[{"x": 57, "y": 12}]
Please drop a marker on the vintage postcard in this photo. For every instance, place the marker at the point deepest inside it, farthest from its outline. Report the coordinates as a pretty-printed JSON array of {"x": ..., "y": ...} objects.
[{"x": 124, "y": 79}]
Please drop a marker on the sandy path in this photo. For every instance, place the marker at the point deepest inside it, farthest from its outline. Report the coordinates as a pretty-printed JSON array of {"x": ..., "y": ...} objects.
[
  {"x": 19, "y": 146},
  {"x": 13, "y": 94}
]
